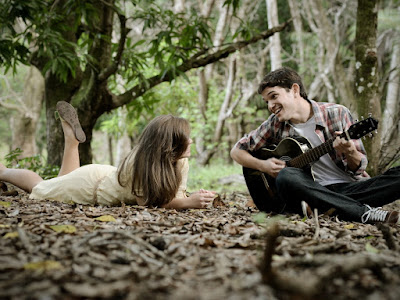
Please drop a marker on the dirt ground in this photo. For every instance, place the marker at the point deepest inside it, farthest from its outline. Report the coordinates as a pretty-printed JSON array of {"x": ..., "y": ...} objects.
[{"x": 230, "y": 251}]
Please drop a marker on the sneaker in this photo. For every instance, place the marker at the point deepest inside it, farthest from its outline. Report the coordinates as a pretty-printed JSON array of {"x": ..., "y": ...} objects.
[
  {"x": 307, "y": 212},
  {"x": 379, "y": 215}
]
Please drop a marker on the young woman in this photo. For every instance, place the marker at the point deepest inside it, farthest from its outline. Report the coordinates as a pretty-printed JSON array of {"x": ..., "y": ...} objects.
[{"x": 154, "y": 173}]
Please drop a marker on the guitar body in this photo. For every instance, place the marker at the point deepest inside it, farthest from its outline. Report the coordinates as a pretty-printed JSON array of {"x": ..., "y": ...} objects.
[{"x": 261, "y": 186}]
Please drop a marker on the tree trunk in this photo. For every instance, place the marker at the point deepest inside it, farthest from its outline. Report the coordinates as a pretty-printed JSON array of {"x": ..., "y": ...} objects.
[
  {"x": 219, "y": 32},
  {"x": 275, "y": 51},
  {"x": 298, "y": 27},
  {"x": 366, "y": 76},
  {"x": 56, "y": 91},
  {"x": 86, "y": 92},
  {"x": 390, "y": 123},
  {"x": 124, "y": 141},
  {"x": 110, "y": 149},
  {"x": 25, "y": 123},
  {"x": 28, "y": 108}
]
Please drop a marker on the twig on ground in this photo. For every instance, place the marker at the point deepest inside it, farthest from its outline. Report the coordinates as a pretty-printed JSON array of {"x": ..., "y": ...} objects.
[
  {"x": 265, "y": 267},
  {"x": 388, "y": 236},
  {"x": 316, "y": 234}
]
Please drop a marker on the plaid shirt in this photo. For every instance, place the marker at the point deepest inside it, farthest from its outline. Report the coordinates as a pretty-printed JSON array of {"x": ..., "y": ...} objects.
[{"x": 329, "y": 117}]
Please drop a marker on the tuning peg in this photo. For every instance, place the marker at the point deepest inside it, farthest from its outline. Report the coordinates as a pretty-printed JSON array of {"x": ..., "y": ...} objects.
[
  {"x": 370, "y": 115},
  {"x": 376, "y": 131},
  {"x": 362, "y": 117},
  {"x": 371, "y": 135}
]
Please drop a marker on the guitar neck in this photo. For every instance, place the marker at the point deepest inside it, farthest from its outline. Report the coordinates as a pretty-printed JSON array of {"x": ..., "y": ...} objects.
[{"x": 311, "y": 155}]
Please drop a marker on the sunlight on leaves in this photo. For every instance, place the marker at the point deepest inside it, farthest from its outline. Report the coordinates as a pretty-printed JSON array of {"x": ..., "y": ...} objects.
[
  {"x": 11, "y": 235},
  {"x": 106, "y": 218},
  {"x": 349, "y": 226},
  {"x": 43, "y": 265},
  {"x": 63, "y": 228}
]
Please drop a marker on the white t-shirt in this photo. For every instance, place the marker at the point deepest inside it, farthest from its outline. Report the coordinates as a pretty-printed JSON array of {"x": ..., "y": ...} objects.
[{"x": 325, "y": 171}]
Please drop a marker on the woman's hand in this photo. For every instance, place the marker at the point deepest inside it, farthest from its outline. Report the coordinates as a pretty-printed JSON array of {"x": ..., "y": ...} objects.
[{"x": 200, "y": 199}]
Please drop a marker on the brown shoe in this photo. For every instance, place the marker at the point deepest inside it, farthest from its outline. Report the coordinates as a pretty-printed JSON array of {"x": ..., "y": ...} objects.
[
  {"x": 379, "y": 215},
  {"x": 68, "y": 113}
]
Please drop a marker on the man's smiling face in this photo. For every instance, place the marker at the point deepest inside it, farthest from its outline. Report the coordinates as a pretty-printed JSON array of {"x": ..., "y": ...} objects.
[{"x": 280, "y": 102}]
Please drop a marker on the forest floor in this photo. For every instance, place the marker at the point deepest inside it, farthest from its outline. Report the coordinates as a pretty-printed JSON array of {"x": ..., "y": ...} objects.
[{"x": 229, "y": 251}]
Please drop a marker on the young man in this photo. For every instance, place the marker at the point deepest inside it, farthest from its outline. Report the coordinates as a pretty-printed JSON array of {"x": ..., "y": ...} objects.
[{"x": 338, "y": 178}]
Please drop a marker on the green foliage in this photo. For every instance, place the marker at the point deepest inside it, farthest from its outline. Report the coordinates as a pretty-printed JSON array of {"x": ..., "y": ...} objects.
[
  {"x": 139, "y": 113},
  {"x": 45, "y": 29},
  {"x": 234, "y": 3},
  {"x": 33, "y": 163},
  {"x": 12, "y": 50},
  {"x": 177, "y": 38},
  {"x": 207, "y": 177},
  {"x": 266, "y": 220},
  {"x": 389, "y": 18}
]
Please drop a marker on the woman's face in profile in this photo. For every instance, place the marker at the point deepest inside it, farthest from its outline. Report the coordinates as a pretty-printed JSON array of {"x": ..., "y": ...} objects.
[{"x": 187, "y": 151}]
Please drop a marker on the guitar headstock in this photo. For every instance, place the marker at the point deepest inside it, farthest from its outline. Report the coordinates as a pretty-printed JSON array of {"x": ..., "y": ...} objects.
[{"x": 361, "y": 128}]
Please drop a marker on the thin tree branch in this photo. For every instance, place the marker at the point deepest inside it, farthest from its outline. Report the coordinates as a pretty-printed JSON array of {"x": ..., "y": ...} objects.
[
  {"x": 121, "y": 45},
  {"x": 12, "y": 106},
  {"x": 192, "y": 63}
]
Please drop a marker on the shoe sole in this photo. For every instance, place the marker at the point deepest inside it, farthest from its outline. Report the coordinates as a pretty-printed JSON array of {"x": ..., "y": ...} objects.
[{"x": 68, "y": 113}]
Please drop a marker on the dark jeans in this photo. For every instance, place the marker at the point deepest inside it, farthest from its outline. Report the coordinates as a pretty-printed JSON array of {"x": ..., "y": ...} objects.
[{"x": 349, "y": 199}]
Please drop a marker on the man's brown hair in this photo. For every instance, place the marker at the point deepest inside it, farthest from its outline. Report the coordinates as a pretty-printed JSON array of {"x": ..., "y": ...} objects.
[{"x": 283, "y": 77}]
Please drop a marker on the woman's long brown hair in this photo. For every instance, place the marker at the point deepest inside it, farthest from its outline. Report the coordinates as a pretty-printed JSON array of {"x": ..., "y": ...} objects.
[{"x": 152, "y": 165}]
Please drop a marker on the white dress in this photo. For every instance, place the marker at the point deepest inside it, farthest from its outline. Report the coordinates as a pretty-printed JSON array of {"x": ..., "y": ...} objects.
[{"x": 95, "y": 184}]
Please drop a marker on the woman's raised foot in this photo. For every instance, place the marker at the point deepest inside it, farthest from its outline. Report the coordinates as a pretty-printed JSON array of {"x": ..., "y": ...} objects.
[{"x": 68, "y": 115}]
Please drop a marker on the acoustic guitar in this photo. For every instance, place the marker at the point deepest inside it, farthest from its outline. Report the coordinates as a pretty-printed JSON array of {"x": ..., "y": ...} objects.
[{"x": 296, "y": 152}]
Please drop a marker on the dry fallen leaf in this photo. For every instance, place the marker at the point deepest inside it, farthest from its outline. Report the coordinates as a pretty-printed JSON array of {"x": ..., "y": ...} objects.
[
  {"x": 5, "y": 203},
  {"x": 10, "y": 235},
  {"x": 106, "y": 218},
  {"x": 63, "y": 228},
  {"x": 43, "y": 265},
  {"x": 217, "y": 202},
  {"x": 168, "y": 254}
]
